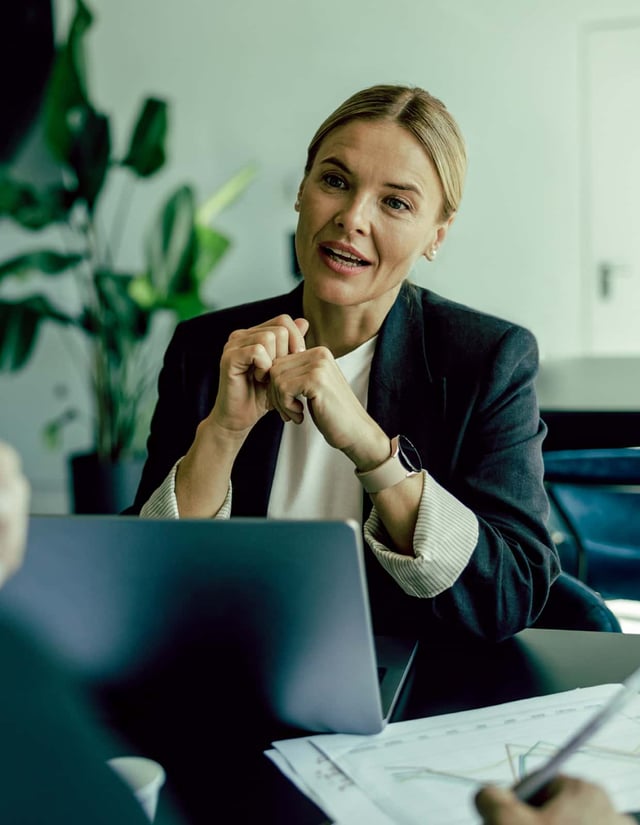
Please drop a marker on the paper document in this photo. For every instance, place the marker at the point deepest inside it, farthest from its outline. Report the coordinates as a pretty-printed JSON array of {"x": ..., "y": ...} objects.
[
  {"x": 325, "y": 784},
  {"x": 428, "y": 770}
]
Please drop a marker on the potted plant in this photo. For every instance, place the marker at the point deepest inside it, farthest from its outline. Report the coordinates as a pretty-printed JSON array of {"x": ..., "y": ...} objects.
[{"x": 117, "y": 308}]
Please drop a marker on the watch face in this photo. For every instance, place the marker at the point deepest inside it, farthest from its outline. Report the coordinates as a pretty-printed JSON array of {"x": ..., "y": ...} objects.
[{"x": 408, "y": 455}]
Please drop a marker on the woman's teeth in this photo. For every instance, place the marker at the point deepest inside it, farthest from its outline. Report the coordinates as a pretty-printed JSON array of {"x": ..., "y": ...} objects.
[{"x": 345, "y": 257}]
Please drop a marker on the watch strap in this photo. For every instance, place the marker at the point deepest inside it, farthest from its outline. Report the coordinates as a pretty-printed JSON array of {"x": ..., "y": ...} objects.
[{"x": 391, "y": 472}]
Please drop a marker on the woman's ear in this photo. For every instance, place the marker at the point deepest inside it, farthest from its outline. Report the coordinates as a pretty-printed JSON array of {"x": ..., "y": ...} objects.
[
  {"x": 299, "y": 196},
  {"x": 440, "y": 234}
]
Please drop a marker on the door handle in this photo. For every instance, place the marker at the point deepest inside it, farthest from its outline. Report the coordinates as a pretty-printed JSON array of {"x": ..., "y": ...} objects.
[{"x": 606, "y": 271}]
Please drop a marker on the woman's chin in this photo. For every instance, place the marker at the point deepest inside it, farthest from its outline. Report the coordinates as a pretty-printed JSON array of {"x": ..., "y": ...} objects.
[{"x": 334, "y": 291}]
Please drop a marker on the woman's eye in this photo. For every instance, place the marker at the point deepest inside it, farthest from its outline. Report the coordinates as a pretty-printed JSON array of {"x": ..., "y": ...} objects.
[
  {"x": 397, "y": 204},
  {"x": 334, "y": 181}
]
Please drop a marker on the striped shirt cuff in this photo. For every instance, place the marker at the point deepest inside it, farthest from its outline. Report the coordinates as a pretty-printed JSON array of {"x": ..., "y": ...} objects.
[
  {"x": 445, "y": 537},
  {"x": 162, "y": 503}
]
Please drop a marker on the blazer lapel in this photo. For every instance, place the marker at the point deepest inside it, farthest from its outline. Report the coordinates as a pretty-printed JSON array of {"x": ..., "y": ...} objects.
[
  {"x": 404, "y": 396},
  {"x": 255, "y": 466}
]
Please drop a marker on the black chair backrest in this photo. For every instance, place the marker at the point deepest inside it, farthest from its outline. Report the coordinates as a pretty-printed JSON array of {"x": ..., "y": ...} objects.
[
  {"x": 595, "y": 516},
  {"x": 615, "y": 466},
  {"x": 572, "y": 605}
]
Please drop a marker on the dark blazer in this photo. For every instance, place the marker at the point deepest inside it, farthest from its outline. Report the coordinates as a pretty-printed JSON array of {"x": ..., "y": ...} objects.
[
  {"x": 52, "y": 746},
  {"x": 459, "y": 384}
]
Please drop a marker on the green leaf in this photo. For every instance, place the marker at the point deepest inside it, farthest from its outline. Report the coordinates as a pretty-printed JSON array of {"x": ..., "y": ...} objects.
[
  {"x": 52, "y": 431},
  {"x": 67, "y": 88},
  {"x": 52, "y": 435},
  {"x": 170, "y": 246},
  {"x": 45, "y": 261},
  {"x": 89, "y": 153},
  {"x": 82, "y": 20},
  {"x": 117, "y": 319},
  {"x": 185, "y": 306},
  {"x": 19, "y": 326},
  {"x": 225, "y": 195},
  {"x": 143, "y": 293},
  {"x": 147, "y": 148},
  {"x": 31, "y": 208},
  {"x": 211, "y": 247}
]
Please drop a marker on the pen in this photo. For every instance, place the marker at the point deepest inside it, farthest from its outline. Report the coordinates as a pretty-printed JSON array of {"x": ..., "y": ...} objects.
[{"x": 533, "y": 782}]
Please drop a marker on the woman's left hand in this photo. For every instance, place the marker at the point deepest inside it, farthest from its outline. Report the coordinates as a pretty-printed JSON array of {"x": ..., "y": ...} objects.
[
  {"x": 345, "y": 425},
  {"x": 336, "y": 412}
]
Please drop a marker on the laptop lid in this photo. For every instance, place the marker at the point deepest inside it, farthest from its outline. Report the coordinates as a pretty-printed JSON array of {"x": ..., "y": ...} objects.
[{"x": 277, "y": 610}]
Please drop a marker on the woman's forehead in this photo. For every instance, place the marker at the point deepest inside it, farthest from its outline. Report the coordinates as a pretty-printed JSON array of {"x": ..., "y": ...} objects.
[{"x": 383, "y": 147}]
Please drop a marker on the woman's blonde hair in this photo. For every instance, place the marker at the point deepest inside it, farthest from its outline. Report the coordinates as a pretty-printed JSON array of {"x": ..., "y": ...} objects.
[{"x": 421, "y": 114}]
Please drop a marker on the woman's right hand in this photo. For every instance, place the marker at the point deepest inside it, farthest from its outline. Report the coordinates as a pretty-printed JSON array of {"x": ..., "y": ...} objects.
[
  {"x": 244, "y": 371},
  {"x": 202, "y": 478}
]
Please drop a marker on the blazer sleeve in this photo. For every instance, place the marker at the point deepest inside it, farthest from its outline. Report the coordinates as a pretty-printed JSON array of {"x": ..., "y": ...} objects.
[
  {"x": 183, "y": 396},
  {"x": 499, "y": 476}
]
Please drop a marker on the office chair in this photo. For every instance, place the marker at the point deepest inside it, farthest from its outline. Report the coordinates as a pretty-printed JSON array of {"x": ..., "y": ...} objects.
[
  {"x": 595, "y": 517},
  {"x": 572, "y": 605}
]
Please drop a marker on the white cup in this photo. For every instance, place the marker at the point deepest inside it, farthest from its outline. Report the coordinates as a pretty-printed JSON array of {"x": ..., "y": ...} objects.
[{"x": 145, "y": 778}]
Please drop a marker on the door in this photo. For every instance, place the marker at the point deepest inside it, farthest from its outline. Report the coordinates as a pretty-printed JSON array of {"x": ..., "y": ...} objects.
[{"x": 611, "y": 187}]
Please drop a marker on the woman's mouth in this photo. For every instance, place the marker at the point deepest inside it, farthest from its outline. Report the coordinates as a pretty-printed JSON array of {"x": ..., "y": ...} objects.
[{"x": 342, "y": 260}]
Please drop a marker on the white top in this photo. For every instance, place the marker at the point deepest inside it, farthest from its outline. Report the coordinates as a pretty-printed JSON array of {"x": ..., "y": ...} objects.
[{"x": 313, "y": 480}]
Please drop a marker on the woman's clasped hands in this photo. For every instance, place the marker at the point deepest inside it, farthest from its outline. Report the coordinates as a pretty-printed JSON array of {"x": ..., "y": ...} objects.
[
  {"x": 268, "y": 367},
  {"x": 245, "y": 366}
]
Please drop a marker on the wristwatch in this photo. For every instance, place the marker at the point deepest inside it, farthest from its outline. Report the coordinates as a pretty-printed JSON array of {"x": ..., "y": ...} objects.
[{"x": 403, "y": 462}]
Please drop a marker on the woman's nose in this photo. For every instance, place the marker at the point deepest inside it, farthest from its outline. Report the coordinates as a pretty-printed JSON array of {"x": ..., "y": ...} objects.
[{"x": 355, "y": 215}]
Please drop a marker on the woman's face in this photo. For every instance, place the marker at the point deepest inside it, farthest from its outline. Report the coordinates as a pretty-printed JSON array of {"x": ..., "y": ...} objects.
[{"x": 369, "y": 208}]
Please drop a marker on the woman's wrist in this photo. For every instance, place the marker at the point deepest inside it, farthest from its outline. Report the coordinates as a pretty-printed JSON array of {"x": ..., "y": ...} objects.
[
  {"x": 211, "y": 434},
  {"x": 202, "y": 478},
  {"x": 371, "y": 451}
]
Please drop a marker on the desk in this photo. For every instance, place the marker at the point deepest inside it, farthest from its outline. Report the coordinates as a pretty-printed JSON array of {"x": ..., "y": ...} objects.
[
  {"x": 590, "y": 401},
  {"x": 444, "y": 680}
]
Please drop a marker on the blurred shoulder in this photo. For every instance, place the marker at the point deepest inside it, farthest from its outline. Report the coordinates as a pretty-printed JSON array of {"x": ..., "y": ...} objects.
[{"x": 468, "y": 332}]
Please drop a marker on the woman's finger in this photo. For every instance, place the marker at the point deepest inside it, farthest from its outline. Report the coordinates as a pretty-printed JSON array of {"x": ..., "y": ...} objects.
[
  {"x": 499, "y": 806},
  {"x": 290, "y": 333}
]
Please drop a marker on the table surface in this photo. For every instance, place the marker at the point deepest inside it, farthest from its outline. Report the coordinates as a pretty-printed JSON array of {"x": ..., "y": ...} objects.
[
  {"x": 590, "y": 384},
  {"x": 444, "y": 679}
]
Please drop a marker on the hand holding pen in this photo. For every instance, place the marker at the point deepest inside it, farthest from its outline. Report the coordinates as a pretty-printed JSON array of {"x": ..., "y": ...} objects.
[
  {"x": 563, "y": 801},
  {"x": 560, "y": 799}
]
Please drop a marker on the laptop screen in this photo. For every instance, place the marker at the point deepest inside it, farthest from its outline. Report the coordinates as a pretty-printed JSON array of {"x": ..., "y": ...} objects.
[{"x": 273, "y": 613}]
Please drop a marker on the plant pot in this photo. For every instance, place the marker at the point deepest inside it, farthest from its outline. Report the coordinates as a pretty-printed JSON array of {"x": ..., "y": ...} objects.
[{"x": 99, "y": 486}]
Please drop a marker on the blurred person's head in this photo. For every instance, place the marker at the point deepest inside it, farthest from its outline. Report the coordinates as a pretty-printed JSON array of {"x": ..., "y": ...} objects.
[{"x": 14, "y": 508}]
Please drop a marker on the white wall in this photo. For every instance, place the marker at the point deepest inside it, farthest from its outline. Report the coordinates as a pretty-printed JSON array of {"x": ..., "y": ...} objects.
[{"x": 251, "y": 80}]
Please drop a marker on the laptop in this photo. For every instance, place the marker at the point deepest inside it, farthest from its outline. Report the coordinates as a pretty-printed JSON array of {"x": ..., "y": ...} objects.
[{"x": 274, "y": 611}]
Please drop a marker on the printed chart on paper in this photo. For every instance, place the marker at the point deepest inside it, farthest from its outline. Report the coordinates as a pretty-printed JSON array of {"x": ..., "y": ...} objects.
[{"x": 427, "y": 770}]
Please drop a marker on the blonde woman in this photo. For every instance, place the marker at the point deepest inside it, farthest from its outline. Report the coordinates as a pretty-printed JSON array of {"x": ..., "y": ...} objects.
[{"x": 359, "y": 395}]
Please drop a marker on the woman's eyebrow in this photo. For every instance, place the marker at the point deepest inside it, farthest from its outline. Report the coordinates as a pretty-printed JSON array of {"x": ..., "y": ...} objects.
[
  {"x": 403, "y": 187},
  {"x": 333, "y": 161}
]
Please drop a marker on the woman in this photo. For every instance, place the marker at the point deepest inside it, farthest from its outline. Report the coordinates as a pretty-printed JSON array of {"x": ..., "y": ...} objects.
[{"x": 267, "y": 409}]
